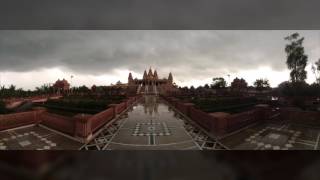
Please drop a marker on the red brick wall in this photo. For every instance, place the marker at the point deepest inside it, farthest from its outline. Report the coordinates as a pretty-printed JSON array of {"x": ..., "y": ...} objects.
[
  {"x": 121, "y": 107},
  {"x": 218, "y": 125},
  {"x": 101, "y": 118},
  {"x": 202, "y": 118},
  {"x": 9, "y": 121},
  {"x": 239, "y": 120},
  {"x": 61, "y": 123},
  {"x": 301, "y": 117}
]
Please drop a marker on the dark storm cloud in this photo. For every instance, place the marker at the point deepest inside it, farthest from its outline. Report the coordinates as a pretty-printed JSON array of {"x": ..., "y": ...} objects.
[
  {"x": 189, "y": 54},
  {"x": 155, "y": 14}
]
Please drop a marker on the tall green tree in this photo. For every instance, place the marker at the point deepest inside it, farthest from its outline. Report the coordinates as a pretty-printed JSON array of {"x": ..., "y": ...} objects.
[
  {"x": 218, "y": 83},
  {"x": 296, "y": 59},
  {"x": 261, "y": 84},
  {"x": 316, "y": 71}
]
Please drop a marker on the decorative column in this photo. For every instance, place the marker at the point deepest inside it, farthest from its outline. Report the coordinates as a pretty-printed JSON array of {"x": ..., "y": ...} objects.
[
  {"x": 83, "y": 128},
  {"x": 219, "y": 124},
  {"x": 262, "y": 111},
  {"x": 114, "y": 107},
  {"x": 188, "y": 106}
]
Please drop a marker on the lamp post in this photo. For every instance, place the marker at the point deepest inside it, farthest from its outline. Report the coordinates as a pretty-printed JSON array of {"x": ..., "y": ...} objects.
[{"x": 71, "y": 84}]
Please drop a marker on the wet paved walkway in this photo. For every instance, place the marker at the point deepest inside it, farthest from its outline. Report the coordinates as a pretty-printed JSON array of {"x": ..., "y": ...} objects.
[
  {"x": 275, "y": 136},
  {"x": 35, "y": 138},
  {"x": 151, "y": 125}
]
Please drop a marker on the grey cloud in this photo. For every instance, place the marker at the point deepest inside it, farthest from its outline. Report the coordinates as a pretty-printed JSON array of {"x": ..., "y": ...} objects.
[
  {"x": 189, "y": 54},
  {"x": 150, "y": 14}
]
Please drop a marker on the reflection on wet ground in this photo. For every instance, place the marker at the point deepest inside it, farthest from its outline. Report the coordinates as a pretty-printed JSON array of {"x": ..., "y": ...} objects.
[
  {"x": 35, "y": 138},
  {"x": 275, "y": 136},
  {"x": 151, "y": 124}
]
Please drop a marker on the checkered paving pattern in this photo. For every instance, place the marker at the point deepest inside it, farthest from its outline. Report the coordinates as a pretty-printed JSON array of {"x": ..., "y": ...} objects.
[
  {"x": 155, "y": 127},
  {"x": 35, "y": 138}
]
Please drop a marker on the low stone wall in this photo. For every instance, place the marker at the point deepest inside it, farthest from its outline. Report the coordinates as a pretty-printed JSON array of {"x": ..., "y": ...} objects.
[
  {"x": 219, "y": 123},
  {"x": 294, "y": 115},
  {"x": 239, "y": 120},
  {"x": 79, "y": 126},
  {"x": 202, "y": 118},
  {"x": 9, "y": 121},
  {"x": 121, "y": 107},
  {"x": 98, "y": 120},
  {"x": 58, "y": 122}
]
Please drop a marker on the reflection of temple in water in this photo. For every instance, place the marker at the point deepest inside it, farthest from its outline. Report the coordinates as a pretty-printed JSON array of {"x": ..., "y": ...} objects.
[{"x": 151, "y": 104}]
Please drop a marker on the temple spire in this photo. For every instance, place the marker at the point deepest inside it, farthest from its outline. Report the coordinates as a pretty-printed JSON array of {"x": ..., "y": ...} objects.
[
  {"x": 145, "y": 74},
  {"x": 130, "y": 79},
  {"x": 155, "y": 74},
  {"x": 150, "y": 74},
  {"x": 170, "y": 78}
]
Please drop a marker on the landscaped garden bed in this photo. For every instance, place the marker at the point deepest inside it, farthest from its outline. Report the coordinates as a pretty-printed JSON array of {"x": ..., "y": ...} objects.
[
  {"x": 224, "y": 104},
  {"x": 72, "y": 105}
]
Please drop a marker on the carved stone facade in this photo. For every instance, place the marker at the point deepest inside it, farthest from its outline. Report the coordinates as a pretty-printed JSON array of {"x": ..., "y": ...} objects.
[
  {"x": 61, "y": 86},
  {"x": 150, "y": 84}
]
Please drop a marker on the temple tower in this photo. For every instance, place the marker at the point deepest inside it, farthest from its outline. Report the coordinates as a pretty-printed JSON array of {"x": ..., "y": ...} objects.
[
  {"x": 150, "y": 74},
  {"x": 170, "y": 78},
  {"x": 130, "y": 79},
  {"x": 145, "y": 74}
]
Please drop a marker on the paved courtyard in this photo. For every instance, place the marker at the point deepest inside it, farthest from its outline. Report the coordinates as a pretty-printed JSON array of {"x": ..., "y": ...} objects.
[
  {"x": 152, "y": 125},
  {"x": 274, "y": 136},
  {"x": 35, "y": 138}
]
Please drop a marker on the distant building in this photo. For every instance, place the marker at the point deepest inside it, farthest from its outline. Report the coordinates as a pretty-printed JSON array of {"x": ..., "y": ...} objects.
[
  {"x": 61, "y": 86},
  {"x": 150, "y": 84}
]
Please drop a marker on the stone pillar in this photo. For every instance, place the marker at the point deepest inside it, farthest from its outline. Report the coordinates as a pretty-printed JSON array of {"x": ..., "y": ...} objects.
[
  {"x": 37, "y": 114},
  {"x": 83, "y": 127},
  {"x": 262, "y": 112},
  {"x": 188, "y": 107},
  {"x": 114, "y": 107},
  {"x": 220, "y": 124},
  {"x": 174, "y": 102}
]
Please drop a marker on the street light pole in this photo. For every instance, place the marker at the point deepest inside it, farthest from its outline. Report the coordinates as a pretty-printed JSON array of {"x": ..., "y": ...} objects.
[{"x": 71, "y": 84}]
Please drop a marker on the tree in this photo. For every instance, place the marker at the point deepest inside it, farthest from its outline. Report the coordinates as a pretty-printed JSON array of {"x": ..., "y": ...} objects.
[
  {"x": 218, "y": 83},
  {"x": 316, "y": 70},
  {"x": 261, "y": 84},
  {"x": 296, "y": 59},
  {"x": 3, "y": 109},
  {"x": 83, "y": 89},
  {"x": 239, "y": 84}
]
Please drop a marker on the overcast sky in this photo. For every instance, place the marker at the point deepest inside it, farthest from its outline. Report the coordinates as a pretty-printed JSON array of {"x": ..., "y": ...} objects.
[{"x": 32, "y": 58}]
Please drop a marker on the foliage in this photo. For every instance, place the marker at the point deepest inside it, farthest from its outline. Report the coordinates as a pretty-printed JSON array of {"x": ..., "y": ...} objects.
[
  {"x": 296, "y": 59},
  {"x": 239, "y": 84},
  {"x": 231, "y": 105},
  {"x": 261, "y": 84},
  {"x": 3, "y": 109},
  {"x": 298, "y": 89},
  {"x": 84, "y": 103},
  {"x": 218, "y": 83},
  {"x": 11, "y": 91},
  {"x": 316, "y": 70}
]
